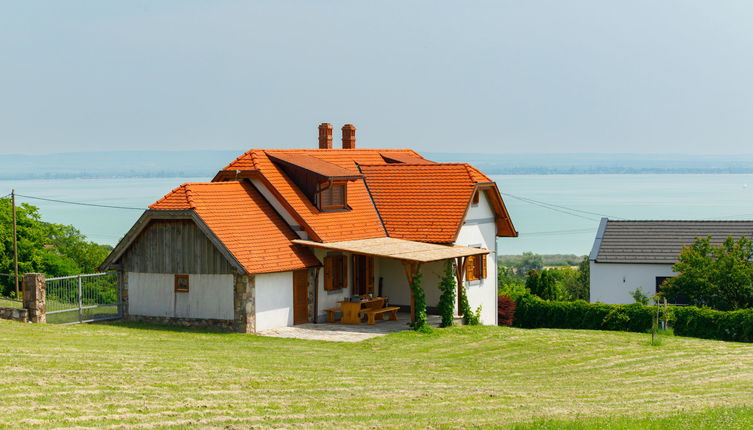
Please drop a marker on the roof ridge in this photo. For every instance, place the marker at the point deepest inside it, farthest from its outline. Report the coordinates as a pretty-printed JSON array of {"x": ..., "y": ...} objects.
[
  {"x": 468, "y": 172},
  {"x": 188, "y": 192}
]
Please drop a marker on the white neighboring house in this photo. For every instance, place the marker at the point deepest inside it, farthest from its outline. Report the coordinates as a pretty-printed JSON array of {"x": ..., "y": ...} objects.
[
  {"x": 627, "y": 255},
  {"x": 279, "y": 236}
]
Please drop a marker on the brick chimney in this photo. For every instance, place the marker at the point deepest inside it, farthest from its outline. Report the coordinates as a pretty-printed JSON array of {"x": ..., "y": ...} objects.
[
  {"x": 325, "y": 135},
  {"x": 349, "y": 136}
]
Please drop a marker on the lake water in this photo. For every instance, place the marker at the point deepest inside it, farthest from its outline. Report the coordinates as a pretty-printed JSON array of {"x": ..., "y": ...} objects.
[{"x": 542, "y": 230}]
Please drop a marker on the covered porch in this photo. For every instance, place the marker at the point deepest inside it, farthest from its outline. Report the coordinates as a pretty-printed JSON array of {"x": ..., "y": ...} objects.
[{"x": 390, "y": 266}]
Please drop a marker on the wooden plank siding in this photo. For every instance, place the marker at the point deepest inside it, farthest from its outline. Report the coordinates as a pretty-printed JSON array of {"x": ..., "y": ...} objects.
[{"x": 174, "y": 246}]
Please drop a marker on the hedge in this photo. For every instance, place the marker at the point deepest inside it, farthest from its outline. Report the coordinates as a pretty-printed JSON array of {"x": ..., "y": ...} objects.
[
  {"x": 710, "y": 324},
  {"x": 533, "y": 312}
]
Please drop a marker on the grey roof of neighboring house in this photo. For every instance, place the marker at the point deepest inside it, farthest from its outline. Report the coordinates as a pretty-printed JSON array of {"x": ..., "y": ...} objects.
[{"x": 658, "y": 242}]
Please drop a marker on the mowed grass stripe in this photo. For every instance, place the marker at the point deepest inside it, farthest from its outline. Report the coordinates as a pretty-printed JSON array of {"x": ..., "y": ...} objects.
[{"x": 143, "y": 376}]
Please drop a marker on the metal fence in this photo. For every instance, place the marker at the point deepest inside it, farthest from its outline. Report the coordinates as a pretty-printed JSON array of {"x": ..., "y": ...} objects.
[
  {"x": 8, "y": 298},
  {"x": 83, "y": 298}
]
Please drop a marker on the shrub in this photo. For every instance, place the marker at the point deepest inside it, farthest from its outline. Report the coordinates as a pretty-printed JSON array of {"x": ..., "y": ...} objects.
[
  {"x": 505, "y": 310},
  {"x": 514, "y": 291},
  {"x": 639, "y": 296},
  {"x": 616, "y": 320},
  {"x": 533, "y": 312},
  {"x": 711, "y": 324}
]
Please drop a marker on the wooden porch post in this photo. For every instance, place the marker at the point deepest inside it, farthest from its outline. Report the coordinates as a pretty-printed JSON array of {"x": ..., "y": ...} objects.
[
  {"x": 410, "y": 271},
  {"x": 460, "y": 273}
]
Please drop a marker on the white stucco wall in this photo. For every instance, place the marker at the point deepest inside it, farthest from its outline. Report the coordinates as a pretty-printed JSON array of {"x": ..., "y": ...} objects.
[
  {"x": 274, "y": 300},
  {"x": 612, "y": 283},
  {"x": 480, "y": 230},
  {"x": 153, "y": 294},
  {"x": 395, "y": 284}
]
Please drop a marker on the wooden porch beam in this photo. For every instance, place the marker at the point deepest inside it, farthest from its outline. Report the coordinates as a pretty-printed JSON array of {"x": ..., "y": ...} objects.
[{"x": 411, "y": 269}]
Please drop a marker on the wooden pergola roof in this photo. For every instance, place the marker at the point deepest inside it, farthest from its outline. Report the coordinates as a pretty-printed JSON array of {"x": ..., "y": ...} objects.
[{"x": 398, "y": 249}]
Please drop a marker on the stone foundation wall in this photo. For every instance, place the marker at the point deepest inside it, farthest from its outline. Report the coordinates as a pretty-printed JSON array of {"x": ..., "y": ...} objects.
[
  {"x": 14, "y": 314},
  {"x": 224, "y": 325}
]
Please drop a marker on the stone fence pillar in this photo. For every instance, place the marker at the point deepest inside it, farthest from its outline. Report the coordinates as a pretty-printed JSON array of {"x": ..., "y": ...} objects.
[{"x": 35, "y": 300}]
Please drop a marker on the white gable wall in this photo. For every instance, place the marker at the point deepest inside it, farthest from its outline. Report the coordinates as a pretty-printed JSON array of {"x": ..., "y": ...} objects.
[
  {"x": 153, "y": 294},
  {"x": 274, "y": 300},
  {"x": 480, "y": 230},
  {"x": 612, "y": 283}
]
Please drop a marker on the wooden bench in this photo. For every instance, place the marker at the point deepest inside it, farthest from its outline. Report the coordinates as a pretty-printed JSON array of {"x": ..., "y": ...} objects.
[
  {"x": 331, "y": 313},
  {"x": 372, "y": 313}
]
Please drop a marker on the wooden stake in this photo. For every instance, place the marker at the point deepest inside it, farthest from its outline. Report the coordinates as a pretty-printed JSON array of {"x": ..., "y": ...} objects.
[{"x": 15, "y": 239}]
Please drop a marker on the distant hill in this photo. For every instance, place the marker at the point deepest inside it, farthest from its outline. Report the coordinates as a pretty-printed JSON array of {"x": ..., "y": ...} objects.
[
  {"x": 131, "y": 164},
  {"x": 113, "y": 164},
  {"x": 588, "y": 163}
]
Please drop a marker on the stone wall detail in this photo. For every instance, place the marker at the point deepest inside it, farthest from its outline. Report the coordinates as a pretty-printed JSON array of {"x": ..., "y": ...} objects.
[
  {"x": 313, "y": 277},
  {"x": 35, "y": 297},
  {"x": 244, "y": 303},
  {"x": 223, "y": 325},
  {"x": 14, "y": 314}
]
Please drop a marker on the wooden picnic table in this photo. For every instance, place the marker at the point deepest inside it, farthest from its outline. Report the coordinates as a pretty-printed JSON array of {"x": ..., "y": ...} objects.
[{"x": 373, "y": 308}]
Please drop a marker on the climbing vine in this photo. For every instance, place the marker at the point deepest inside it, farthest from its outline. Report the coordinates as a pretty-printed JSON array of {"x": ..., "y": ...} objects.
[
  {"x": 419, "y": 302},
  {"x": 469, "y": 317},
  {"x": 447, "y": 300}
]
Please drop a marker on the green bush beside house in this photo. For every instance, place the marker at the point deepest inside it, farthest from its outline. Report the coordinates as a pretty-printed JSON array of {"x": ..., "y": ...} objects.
[{"x": 533, "y": 312}]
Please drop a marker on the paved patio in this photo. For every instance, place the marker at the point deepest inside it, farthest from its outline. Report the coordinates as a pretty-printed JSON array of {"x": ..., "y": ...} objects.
[{"x": 337, "y": 332}]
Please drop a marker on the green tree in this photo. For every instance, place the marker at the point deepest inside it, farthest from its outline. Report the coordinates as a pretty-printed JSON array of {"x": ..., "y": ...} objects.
[
  {"x": 719, "y": 277},
  {"x": 532, "y": 282},
  {"x": 640, "y": 296},
  {"x": 529, "y": 261},
  {"x": 52, "y": 249},
  {"x": 548, "y": 286},
  {"x": 584, "y": 280}
]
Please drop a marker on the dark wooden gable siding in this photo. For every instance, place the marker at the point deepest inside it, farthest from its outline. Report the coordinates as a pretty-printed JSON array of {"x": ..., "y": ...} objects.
[{"x": 174, "y": 246}]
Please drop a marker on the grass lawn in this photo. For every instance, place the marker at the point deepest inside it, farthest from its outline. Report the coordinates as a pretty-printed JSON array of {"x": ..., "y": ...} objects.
[
  {"x": 137, "y": 375},
  {"x": 8, "y": 303}
]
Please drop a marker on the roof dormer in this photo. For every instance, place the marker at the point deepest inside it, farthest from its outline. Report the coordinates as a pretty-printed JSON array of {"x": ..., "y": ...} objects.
[{"x": 324, "y": 183}]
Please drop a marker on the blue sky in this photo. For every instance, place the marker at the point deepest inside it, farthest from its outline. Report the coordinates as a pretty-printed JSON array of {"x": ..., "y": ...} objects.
[{"x": 499, "y": 77}]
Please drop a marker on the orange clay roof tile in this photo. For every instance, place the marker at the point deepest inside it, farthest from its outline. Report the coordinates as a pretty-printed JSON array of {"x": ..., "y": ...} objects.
[
  {"x": 244, "y": 222},
  {"x": 422, "y": 202},
  {"x": 360, "y": 222}
]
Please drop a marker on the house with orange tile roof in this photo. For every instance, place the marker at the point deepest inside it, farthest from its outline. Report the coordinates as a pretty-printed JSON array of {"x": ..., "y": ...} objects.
[{"x": 283, "y": 236}]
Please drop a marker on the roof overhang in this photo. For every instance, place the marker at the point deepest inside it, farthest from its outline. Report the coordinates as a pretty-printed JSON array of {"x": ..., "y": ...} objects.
[
  {"x": 397, "y": 249},
  {"x": 505, "y": 228}
]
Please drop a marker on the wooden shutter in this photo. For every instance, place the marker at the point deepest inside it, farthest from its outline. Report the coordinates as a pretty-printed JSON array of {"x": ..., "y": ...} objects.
[
  {"x": 482, "y": 260},
  {"x": 370, "y": 275},
  {"x": 328, "y": 272},
  {"x": 470, "y": 268}
]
